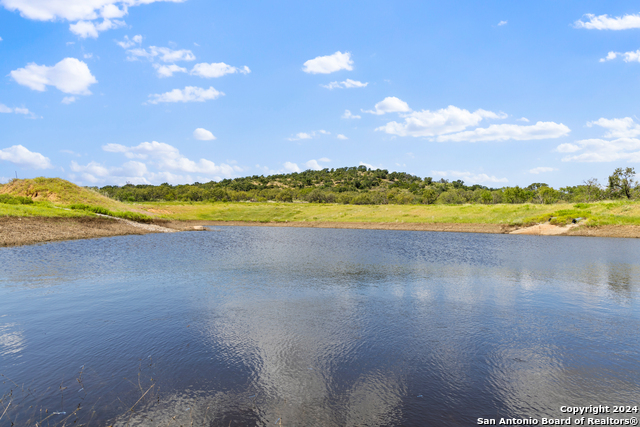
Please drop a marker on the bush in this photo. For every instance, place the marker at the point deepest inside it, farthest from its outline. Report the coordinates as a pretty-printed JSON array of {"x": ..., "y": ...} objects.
[{"x": 15, "y": 200}]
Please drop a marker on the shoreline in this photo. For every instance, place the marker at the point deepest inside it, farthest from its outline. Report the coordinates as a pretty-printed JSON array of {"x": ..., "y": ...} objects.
[{"x": 18, "y": 231}]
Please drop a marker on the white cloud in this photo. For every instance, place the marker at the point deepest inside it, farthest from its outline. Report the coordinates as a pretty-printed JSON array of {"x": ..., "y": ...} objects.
[
  {"x": 601, "y": 150},
  {"x": 501, "y": 23},
  {"x": 87, "y": 55},
  {"x": 127, "y": 43},
  {"x": 167, "y": 157},
  {"x": 345, "y": 84},
  {"x": 329, "y": 64},
  {"x": 347, "y": 115},
  {"x": 541, "y": 169},
  {"x": 203, "y": 135},
  {"x": 390, "y": 104},
  {"x": 604, "y": 22},
  {"x": 313, "y": 164},
  {"x": 523, "y": 119},
  {"x": 188, "y": 94},
  {"x": 308, "y": 135},
  {"x": 17, "y": 110},
  {"x": 83, "y": 12},
  {"x": 618, "y": 128},
  {"x": 611, "y": 55},
  {"x": 341, "y": 136},
  {"x": 23, "y": 157},
  {"x": 432, "y": 123},
  {"x": 504, "y": 132},
  {"x": 69, "y": 76},
  {"x": 164, "y": 54},
  {"x": 470, "y": 177},
  {"x": 632, "y": 56},
  {"x": 567, "y": 148},
  {"x": 324, "y": 160},
  {"x": 86, "y": 29},
  {"x": 216, "y": 69},
  {"x": 168, "y": 70},
  {"x": 291, "y": 167},
  {"x": 0, "y": 39},
  {"x": 68, "y": 99}
]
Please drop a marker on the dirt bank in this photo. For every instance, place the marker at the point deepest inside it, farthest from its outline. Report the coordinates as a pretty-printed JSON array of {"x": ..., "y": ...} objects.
[{"x": 29, "y": 230}]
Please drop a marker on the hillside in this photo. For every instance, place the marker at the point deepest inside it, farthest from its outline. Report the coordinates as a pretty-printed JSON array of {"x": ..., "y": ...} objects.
[{"x": 57, "y": 191}]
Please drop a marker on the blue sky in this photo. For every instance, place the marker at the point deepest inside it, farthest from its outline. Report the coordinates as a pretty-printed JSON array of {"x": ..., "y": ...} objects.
[{"x": 499, "y": 93}]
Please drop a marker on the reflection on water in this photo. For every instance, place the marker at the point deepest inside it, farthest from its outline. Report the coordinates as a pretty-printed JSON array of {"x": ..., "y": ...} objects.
[{"x": 257, "y": 326}]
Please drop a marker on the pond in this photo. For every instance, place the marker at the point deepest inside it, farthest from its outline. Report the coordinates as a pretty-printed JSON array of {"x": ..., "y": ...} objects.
[{"x": 295, "y": 326}]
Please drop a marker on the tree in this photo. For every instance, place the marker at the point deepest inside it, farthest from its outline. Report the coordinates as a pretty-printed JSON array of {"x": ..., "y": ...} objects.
[
  {"x": 591, "y": 189},
  {"x": 622, "y": 182}
]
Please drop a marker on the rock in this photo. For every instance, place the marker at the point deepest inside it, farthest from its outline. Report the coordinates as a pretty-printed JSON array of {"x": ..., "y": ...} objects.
[{"x": 199, "y": 228}]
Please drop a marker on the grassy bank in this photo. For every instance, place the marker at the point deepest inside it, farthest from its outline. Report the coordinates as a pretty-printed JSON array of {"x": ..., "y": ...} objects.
[
  {"x": 53, "y": 197},
  {"x": 601, "y": 213}
]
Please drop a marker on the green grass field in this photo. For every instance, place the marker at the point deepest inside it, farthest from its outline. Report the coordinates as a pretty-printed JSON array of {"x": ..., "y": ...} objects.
[
  {"x": 601, "y": 213},
  {"x": 53, "y": 197}
]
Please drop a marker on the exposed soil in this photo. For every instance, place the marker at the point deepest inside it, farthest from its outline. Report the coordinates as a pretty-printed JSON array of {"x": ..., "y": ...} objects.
[{"x": 29, "y": 230}]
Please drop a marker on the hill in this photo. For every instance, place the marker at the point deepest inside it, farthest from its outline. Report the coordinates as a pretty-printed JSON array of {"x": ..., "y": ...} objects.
[{"x": 57, "y": 191}]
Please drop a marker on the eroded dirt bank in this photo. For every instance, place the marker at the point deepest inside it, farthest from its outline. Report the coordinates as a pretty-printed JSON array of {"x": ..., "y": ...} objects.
[
  {"x": 29, "y": 230},
  {"x": 16, "y": 231}
]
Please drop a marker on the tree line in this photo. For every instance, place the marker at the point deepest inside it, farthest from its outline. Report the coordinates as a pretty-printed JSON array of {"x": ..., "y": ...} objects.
[{"x": 362, "y": 186}]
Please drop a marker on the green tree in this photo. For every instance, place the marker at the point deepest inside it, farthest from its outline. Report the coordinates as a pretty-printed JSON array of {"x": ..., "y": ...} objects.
[{"x": 622, "y": 182}]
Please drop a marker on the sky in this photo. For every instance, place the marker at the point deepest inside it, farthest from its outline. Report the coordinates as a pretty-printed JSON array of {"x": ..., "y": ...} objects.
[{"x": 498, "y": 93}]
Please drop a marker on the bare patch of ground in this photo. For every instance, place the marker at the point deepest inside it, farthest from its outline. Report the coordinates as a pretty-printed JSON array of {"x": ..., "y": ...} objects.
[
  {"x": 15, "y": 231},
  {"x": 544, "y": 229}
]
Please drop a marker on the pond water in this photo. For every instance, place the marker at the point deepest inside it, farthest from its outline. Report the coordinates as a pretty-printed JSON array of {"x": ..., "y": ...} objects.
[{"x": 316, "y": 327}]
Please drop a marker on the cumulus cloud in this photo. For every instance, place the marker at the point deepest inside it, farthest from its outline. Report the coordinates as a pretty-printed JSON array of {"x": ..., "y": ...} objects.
[
  {"x": 632, "y": 56},
  {"x": 308, "y": 135},
  {"x": 69, "y": 76},
  {"x": 622, "y": 145},
  {"x": 216, "y": 69},
  {"x": 21, "y": 156},
  {"x": 368, "y": 165},
  {"x": 68, "y": 99},
  {"x": 329, "y": 64},
  {"x": 567, "y": 148},
  {"x": 450, "y": 124},
  {"x": 604, "y": 22},
  {"x": 345, "y": 84},
  {"x": 618, "y": 128},
  {"x": 314, "y": 165},
  {"x": 431, "y": 123},
  {"x": 152, "y": 162},
  {"x": 203, "y": 135},
  {"x": 610, "y": 56},
  {"x": 602, "y": 150},
  {"x": 291, "y": 167},
  {"x": 390, "y": 104},
  {"x": 541, "y": 130},
  {"x": 168, "y": 70},
  {"x": 86, "y": 29},
  {"x": 188, "y": 94},
  {"x": 347, "y": 115},
  {"x": 164, "y": 54},
  {"x": 85, "y": 13},
  {"x": 127, "y": 43},
  {"x": 523, "y": 119},
  {"x": 501, "y": 23},
  {"x": 541, "y": 169},
  {"x": 341, "y": 136},
  {"x": 470, "y": 177},
  {"x": 16, "y": 110}
]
